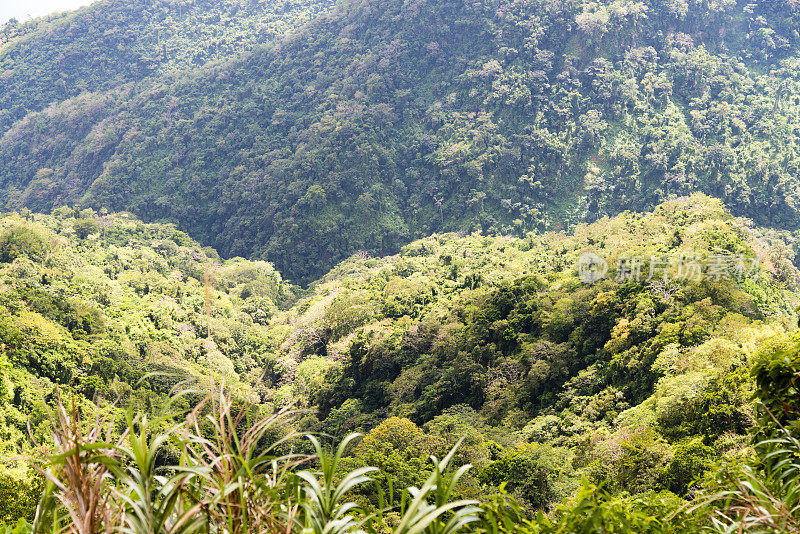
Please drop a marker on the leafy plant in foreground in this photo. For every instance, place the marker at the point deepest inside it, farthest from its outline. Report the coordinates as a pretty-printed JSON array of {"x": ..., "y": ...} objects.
[
  {"x": 760, "y": 498},
  {"x": 242, "y": 481},
  {"x": 324, "y": 509},
  {"x": 78, "y": 497},
  {"x": 230, "y": 477}
]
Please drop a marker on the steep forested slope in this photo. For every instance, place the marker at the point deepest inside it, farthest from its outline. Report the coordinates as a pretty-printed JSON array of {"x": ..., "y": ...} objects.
[
  {"x": 112, "y": 43},
  {"x": 106, "y": 306},
  {"x": 380, "y": 121},
  {"x": 640, "y": 383}
]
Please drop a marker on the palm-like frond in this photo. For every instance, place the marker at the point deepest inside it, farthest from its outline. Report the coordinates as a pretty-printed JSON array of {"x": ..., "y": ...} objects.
[
  {"x": 764, "y": 498},
  {"x": 77, "y": 498},
  {"x": 423, "y": 516},
  {"x": 324, "y": 511},
  {"x": 243, "y": 482},
  {"x": 232, "y": 478},
  {"x": 152, "y": 503}
]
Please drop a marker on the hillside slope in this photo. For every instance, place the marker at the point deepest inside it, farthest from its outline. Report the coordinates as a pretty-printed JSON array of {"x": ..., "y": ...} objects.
[
  {"x": 381, "y": 121},
  {"x": 107, "y": 306},
  {"x": 112, "y": 43},
  {"x": 637, "y": 381}
]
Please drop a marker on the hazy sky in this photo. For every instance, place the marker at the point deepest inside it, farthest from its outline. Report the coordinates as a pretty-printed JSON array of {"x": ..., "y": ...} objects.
[{"x": 24, "y": 9}]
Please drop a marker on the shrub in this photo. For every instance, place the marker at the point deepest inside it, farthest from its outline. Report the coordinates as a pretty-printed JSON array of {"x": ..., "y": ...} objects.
[
  {"x": 85, "y": 227},
  {"x": 22, "y": 240},
  {"x": 19, "y": 493}
]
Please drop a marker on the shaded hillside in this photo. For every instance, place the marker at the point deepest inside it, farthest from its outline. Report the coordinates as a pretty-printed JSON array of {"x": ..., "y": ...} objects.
[
  {"x": 112, "y": 43},
  {"x": 383, "y": 121}
]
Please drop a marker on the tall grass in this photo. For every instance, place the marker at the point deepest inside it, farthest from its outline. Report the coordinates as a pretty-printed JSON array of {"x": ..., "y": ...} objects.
[{"x": 78, "y": 497}]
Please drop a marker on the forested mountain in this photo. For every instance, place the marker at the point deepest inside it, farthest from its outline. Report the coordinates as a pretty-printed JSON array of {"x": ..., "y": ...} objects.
[
  {"x": 635, "y": 382},
  {"x": 379, "y": 121},
  {"x": 94, "y": 303},
  {"x": 396, "y": 266}
]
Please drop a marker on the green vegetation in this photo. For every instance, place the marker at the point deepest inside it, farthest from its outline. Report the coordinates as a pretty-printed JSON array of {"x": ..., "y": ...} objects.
[
  {"x": 393, "y": 333},
  {"x": 180, "y": 386},
  {"x": 379, "y": 121},
  {"x": 98, "y": 303}
]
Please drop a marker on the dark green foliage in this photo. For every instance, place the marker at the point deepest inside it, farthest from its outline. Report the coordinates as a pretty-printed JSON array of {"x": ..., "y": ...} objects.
[
  {"x": 777, "y": 377},
  {"x": 381, "y": 121},
  {"x": 84, "y": 228},
  {"x": 130, "y": 42},
  {"x": 22, "y": 240},
  {"x": 83, "y": 320},
  {"x": 692, "y": 458},
  {"x": 532, "y": 474}
]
